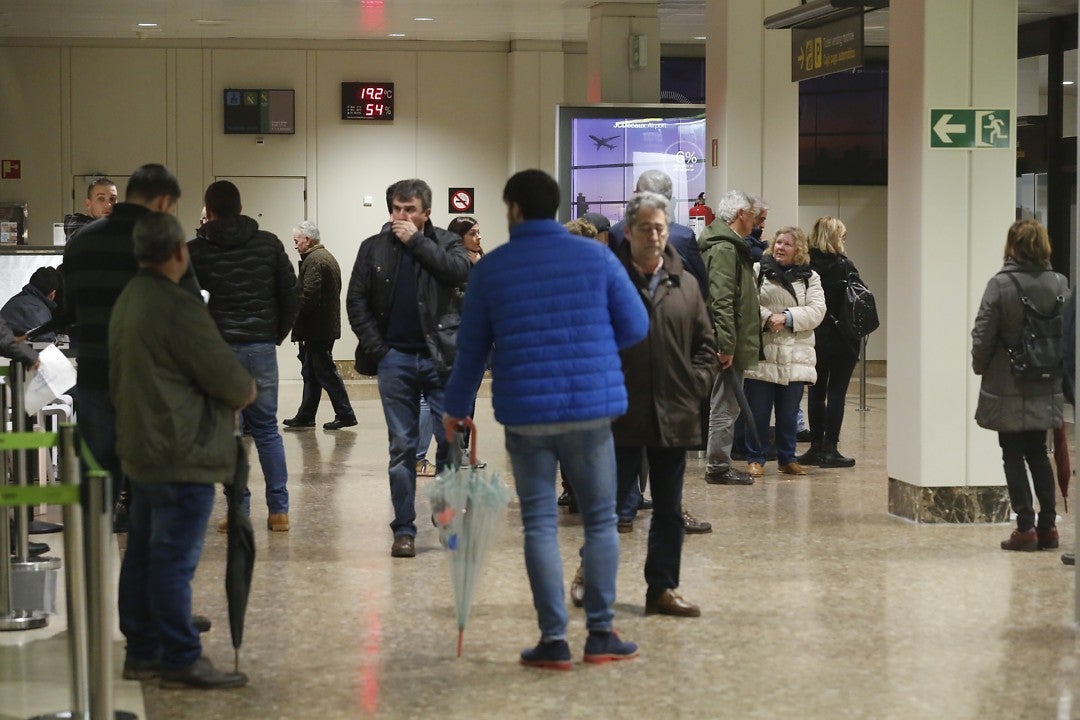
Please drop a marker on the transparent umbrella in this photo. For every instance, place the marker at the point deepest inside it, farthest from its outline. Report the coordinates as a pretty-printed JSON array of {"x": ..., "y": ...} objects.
[{"x": 468, "y": 505}]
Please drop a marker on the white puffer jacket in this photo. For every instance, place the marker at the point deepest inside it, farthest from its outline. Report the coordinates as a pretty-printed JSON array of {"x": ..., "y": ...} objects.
[{"x": 789, "y": 354}]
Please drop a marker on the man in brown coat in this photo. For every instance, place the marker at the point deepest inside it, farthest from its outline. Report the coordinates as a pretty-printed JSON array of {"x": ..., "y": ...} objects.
[
  {"x": 667, "y": 375},
  {"x": 316, "y": 328}
]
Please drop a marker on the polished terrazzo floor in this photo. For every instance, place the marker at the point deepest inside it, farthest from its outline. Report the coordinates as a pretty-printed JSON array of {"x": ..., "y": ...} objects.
[{"x": 815, "y": 604}]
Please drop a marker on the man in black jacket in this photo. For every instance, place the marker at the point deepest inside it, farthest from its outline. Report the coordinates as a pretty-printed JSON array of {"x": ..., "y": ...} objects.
[
  {"x": 254, "y": 301},
  {"x": 33, "y": 306},
  {"x": 98, "y": 262},
  {"x": 405, "y": 313}
]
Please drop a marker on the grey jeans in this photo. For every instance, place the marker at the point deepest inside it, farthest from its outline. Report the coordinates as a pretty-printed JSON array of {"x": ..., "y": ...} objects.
[{"x": 723, "y": 412}]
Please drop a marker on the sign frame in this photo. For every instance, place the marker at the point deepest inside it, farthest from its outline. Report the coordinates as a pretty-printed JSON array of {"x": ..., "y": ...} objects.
[{"x": 945, "y": 124}]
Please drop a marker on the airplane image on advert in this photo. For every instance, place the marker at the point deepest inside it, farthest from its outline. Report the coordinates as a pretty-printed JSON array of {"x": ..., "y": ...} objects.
[{"x": 604, "y": 141}]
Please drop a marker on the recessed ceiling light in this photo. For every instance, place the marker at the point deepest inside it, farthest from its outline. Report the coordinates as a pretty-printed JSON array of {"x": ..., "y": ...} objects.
[
  {"x": 699, "y": 37},
  {"x": 395, "y": 35},
  {"x": 209, "y": 23},
  {"x": 148, "y": 25},
  {"x": 424, "y": 19}
]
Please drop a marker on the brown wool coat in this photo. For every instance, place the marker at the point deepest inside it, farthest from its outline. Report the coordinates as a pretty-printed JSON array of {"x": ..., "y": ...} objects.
[{"x": 673, "y": 368}]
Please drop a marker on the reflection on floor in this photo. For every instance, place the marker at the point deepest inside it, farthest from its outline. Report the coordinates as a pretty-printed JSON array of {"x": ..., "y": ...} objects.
[{"x": 815, "y": 604}]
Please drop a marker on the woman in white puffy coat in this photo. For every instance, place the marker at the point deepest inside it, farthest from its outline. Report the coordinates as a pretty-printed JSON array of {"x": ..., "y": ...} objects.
[{"x": 792, "y": 304}]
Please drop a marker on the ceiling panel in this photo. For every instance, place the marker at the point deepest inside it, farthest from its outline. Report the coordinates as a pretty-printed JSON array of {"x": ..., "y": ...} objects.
[{"x": 681, "y": 21}]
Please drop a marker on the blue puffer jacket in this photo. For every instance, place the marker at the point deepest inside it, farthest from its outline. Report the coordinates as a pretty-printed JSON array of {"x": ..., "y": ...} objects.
[{"x": 554, "y": 310}]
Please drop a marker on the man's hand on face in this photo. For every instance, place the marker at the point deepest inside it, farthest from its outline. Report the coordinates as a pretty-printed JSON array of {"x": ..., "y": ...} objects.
[{"x": 403, "y": 229}]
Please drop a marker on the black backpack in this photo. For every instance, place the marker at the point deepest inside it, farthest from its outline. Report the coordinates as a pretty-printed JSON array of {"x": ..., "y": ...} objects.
[
  {"x": 1038, "y": 354},
  {"x": 858, "y": 317}
]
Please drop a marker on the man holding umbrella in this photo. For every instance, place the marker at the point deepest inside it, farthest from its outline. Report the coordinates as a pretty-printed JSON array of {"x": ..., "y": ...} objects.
[
  {"x": 177, "y": 387},
  {"x": 552, "y": 310},
  {"x": 733, "y": 304}
]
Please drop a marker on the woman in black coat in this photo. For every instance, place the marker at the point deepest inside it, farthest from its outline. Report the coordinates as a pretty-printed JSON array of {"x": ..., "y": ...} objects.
[
  {"x": 1021, "y": 410},
  {"x": 837, "y": 353}
]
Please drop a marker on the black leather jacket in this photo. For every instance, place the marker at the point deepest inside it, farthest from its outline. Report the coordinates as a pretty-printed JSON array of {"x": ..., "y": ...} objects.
[
  {"x": 252, "y": 285},
  {"x": 442, "y": 265}
]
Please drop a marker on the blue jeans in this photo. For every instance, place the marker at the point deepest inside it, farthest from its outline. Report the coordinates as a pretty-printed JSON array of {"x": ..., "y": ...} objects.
[
  {"x": 763, "y": 397},
  {"x": 319, "y": 373},
  {"x": 628, "y": 497},
  {"x": 402, "y": 378},
  {"x": 95, "y": 417},
  {"x": 168, "y": 523},
  {"x": 587, "y": 458},
  {"x": 667, "y": 466},
  {"x": 260, "y": 360},
  {"x": 427, "y": 431}
]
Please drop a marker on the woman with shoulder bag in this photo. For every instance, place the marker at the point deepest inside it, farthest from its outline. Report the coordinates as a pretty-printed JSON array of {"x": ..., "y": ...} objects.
[
  {"x": 837, "y": 354},
  {"x": 1021, "y": 409}
]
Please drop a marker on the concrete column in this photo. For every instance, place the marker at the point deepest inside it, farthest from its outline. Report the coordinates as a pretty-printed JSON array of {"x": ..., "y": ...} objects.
[
  {"x": 611, "y": 77},
  {"x": 949, "y": 211},
  {"x": 536, "y": 87},
  {"x": 752, "y": 115}
]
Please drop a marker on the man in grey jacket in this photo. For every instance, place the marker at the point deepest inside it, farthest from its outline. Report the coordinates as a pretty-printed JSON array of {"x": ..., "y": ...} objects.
[{"x": 176, "y": 387}]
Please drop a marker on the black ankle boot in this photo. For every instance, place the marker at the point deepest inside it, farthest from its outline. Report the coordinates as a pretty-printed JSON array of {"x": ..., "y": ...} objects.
[
  {"x": 830, "y": 457},
  {"x": 812, "y": 456}
]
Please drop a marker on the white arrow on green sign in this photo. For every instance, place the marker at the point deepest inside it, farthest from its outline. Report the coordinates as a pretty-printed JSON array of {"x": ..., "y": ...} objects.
[{"x": 970, "y": 128}]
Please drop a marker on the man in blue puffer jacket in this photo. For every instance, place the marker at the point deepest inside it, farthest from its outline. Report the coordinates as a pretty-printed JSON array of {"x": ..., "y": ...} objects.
[{"x": 553, "y": 310}]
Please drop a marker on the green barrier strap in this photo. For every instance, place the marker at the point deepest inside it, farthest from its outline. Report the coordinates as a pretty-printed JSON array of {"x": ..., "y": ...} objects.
[
  {"x": 17, "y": 495},
  {"x": 28, "y": 440},
  {"x": 89, "y": 459}
]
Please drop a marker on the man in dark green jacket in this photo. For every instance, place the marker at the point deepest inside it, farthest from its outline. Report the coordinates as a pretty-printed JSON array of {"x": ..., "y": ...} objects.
[
  {"x": 733, "y": 305},
  {"x": 176, "y": 387}
]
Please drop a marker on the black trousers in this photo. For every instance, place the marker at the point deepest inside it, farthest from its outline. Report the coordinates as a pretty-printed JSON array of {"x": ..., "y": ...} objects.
[
  {"x": 319, "y": 373},
  {"x": 836, "y": 360},
  {"x": 1028, "y": 448},
  {"x": 666, "y": 532}
]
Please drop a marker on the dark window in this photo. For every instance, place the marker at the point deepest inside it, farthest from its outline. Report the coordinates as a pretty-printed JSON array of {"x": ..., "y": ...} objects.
[
  {"x": 682, "y": 80},
  {"x": 843, "y": 128}
]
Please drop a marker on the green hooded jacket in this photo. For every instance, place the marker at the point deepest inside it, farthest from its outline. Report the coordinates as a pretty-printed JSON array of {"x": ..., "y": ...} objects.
[
  {"x": 175, "y": 384},
  {"x": 733, "y": 294}
]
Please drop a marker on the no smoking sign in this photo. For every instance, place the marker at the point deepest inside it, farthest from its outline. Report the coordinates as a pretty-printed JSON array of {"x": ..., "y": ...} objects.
[{"x": 461, "y": 200}]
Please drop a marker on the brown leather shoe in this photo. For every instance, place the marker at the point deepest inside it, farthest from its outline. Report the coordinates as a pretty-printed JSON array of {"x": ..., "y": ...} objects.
[
  {"x": 693, "y": 526},
  {"x": 792, "y": 468},
  {"x": 1048, "y": 539},
  {"x": 278, "y": 522},
  {"x": 404, "y": 547},
  {"x": 755, "y": 469},
  {"x": 223, "y": 526},
  {"x": 671, "y": 603},
  {"x": 1022, "y": 541},
  {"x": 625, "y": 526}
]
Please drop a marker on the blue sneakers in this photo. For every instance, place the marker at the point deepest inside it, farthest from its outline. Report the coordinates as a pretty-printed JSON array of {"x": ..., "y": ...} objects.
[
  {"x": 554, "y": 655},
  {"x": 602, "y": 647}
]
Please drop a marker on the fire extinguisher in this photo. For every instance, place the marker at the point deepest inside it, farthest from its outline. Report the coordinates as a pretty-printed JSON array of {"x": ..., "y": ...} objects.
[{"x": 701, "y": 215}]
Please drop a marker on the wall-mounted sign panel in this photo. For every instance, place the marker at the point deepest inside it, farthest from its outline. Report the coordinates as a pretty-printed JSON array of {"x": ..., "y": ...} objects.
[
  {"x": 826, "y": 49},
  {"x": 367, "y": 101},
  {"x": 970, "y": 128},
  {"x": 259, "y": 112}
]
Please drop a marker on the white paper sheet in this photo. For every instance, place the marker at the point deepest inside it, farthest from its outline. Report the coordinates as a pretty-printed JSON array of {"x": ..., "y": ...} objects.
[{"x": 55, "y": 376}]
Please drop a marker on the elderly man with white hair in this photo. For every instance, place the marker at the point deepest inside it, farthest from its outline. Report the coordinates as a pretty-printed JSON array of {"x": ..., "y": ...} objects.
[
  {"x": 316, "y": 328},
  {"x": 733, "y": 305}
]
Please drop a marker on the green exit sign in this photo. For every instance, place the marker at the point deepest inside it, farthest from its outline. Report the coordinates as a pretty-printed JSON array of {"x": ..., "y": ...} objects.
[{"x": 970, "y": 128}]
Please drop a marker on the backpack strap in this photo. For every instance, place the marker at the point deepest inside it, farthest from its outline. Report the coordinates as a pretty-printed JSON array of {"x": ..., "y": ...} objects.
[{"x": 1026, "y": 300}]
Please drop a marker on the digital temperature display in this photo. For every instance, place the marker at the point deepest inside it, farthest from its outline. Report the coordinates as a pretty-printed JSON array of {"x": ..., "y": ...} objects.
[{"x": 367, "y": 101}]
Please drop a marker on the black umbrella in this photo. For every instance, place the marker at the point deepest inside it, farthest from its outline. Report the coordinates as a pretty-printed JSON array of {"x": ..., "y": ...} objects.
[{"x": 240, "y": 553}]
